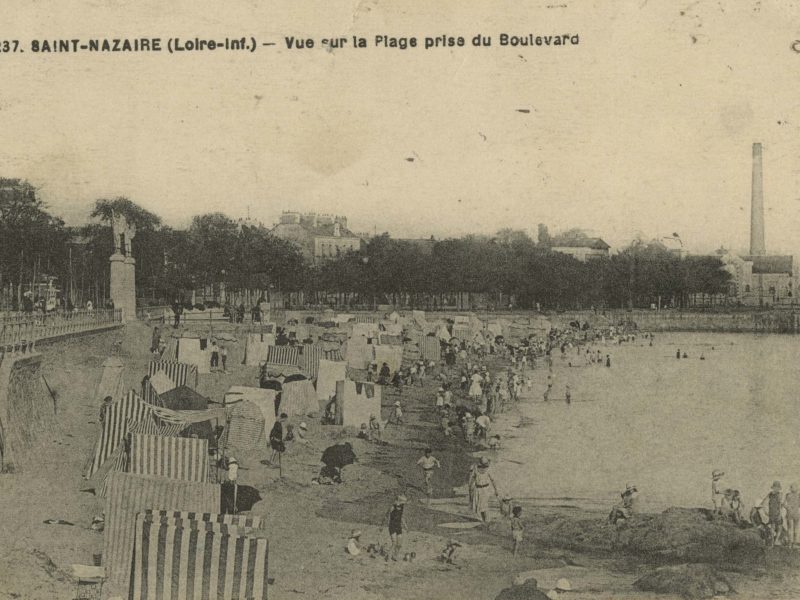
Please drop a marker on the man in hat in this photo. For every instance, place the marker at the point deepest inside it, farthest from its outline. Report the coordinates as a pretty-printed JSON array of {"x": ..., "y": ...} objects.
[
  {"x": 627, "y": 508},
  {"x": 397, "y": 525},
  {"x": 428, "y": 463},
  {"x": 773, "y": 504}
]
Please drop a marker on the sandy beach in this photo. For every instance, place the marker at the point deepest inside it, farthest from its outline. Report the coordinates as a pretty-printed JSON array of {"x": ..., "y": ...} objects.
[{"x": 309, "y": 524}]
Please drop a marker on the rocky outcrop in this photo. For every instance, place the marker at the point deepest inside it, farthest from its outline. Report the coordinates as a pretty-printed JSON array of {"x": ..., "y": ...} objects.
[
  {"x": 525, "y": 591},
  {"x": 688, "y": 581},
  {"x": 677, "y": 535}
]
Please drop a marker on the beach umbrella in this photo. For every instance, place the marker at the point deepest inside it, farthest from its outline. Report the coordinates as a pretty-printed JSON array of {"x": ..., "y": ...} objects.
[{"x": 338, "y": 456}]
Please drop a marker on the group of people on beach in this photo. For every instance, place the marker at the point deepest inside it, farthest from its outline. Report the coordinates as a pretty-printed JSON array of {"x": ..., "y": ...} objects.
[{"x": 777, "y": 515}]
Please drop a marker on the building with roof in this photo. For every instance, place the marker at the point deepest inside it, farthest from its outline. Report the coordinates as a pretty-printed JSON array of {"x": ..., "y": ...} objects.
[
  {"x": 758, "y": 278},
  {"x": 581, "y": 248},
  {"x": 319, "y": 237}
]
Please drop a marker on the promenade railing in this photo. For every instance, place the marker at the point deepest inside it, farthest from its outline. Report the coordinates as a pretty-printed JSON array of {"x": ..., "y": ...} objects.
[{"x": 20, "y": 331}]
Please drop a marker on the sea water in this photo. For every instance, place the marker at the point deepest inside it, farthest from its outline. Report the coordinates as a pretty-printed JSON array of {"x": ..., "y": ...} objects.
[{"x": 658, "y": 422}]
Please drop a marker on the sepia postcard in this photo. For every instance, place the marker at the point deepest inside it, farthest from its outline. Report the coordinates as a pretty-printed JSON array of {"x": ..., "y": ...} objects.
[{"x": 383, "y": 300}]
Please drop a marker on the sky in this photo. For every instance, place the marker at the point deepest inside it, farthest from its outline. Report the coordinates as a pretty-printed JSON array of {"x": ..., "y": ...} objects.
[{"x": 644, "y": 128}]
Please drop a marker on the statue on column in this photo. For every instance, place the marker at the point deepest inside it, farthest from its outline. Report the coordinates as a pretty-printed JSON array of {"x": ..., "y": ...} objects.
[
  {"x": 124, "y": 232},
  {"x": 123, "y": 266}
]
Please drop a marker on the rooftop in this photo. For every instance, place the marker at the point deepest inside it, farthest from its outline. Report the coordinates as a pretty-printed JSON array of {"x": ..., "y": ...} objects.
[
  {"x": 594, "y": 243},
  {"x": 765, "y": 265}
]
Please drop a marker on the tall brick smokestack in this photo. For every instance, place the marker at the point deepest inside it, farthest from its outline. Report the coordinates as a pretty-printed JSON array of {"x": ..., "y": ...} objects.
[{"x": 757, "y": 244}]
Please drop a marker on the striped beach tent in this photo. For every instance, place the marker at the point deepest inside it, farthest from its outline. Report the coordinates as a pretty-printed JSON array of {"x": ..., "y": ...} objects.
[
  {"x": 282, "y": 355},
  {"x": 186, "y": 560},
  {"x": 119, "y": 459},
  {"x": 253, "y": 521},
  {"x": 115, "y": 426},
  {"x": 129, "y": 494},
  {"x": 165, "y": 456},
  {"x": 308, "y": 359},
  {"x": 180, "y": 373},
  {"x": 430, "y": 348},
  {"x": 365, "y": 319}
]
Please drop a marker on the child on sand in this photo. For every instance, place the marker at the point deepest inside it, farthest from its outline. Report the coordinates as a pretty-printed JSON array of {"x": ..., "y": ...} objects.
[
  {"x": 398, "y": 413},
  {"x": 428, "y": 463},
  {"x": 517, "y": 527},
  {"x": 450, "y": 552}
]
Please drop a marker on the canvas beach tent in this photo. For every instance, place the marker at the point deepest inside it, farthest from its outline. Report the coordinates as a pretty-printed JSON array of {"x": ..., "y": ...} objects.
[
  {"x": 257, "y": 347},
  {"x": 115, "y": 425},
  {"x": 391, "y": 355},
  {"x": 186, "y": 559},
  {"x": 330, "y": 372},
  {"x": 119, "y": 460},
  {"x": 129, "y": 494},
  {"x": 168, "y": 456},
  {"x": 161, "y": 384},
  {"x": 282, "y": 356},
  {"x": 251, "y": 417},
  {"x": 298, "y": 397},
  {"x": 359, "y": 353},
  {"x": 195, "y": 351},
  {"x": 431, "y": 348},
  {"x": 179, "y": 373},
  {"x": 367, "y": 330},
  {"x": 111, "y": 380},
  {"x": 356, "y": 401}
]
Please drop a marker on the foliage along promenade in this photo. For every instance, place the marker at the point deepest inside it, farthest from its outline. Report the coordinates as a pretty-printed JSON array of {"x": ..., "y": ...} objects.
[{"x": 215, "y": 249}]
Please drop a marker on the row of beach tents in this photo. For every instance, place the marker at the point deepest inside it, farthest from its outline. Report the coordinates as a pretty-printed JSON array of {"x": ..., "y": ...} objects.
[{"x": 165, "y": 532}]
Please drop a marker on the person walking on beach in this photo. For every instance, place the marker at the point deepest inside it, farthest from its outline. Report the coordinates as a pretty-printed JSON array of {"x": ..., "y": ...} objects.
[
  {"x": 398, "y": 413},
  {"x": 608, "y": 360},
  {"x": 517, "y": 528},
  {"x": 792, "y": 505},
  {"x": 397, "y": 525},
  {"x": 773, "y": 504},
  {"x": 568, "y": 395},
  {"x": 223, "y": 354},
  {"x": 479, "y": 482},
  {"x": 547, "y": 392},
  {"x": 428, "y": 463},
  {"x": 214, "y": 355},
  {"x": 717, "y": 497},
  {"x": 276, "y": 439}
]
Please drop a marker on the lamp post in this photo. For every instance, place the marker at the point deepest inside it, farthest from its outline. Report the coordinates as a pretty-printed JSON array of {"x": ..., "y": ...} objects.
[{"x": 365, "y": 262}]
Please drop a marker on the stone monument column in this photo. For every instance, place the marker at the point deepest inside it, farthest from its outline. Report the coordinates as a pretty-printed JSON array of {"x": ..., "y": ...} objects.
[{"x": 123, "y": 267}]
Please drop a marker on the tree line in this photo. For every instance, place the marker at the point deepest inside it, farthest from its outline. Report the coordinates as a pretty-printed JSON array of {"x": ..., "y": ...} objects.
[{"x": 215, "y": 251}]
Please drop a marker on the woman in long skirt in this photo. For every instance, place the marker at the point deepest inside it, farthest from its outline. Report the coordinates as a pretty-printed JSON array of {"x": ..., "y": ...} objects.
[{"x": 479, "y": 484}]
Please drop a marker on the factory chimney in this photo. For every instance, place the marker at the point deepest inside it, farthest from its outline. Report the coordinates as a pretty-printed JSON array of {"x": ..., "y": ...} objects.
[{"x": 757, "y": 243}]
